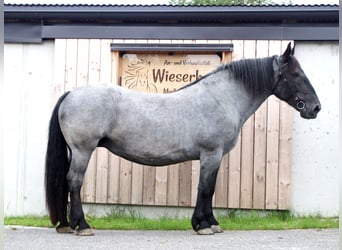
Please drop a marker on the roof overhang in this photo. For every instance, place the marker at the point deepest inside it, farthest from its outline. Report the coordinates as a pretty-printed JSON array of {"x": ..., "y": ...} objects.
[{"x": 33, "y": 23}]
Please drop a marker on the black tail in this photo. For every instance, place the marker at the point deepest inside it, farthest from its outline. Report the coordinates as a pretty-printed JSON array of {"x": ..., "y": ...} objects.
[{"x": 56, "y": 169}]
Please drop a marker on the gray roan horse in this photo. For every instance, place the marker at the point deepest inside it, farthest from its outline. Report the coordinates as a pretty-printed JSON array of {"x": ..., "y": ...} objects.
[{"x": 200, "y": 121}]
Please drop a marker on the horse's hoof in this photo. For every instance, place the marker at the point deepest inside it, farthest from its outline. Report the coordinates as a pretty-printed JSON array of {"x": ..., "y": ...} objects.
[
  {"x": 85, "y": 232},
  {"x": 64, "y": 230},
  {"x": 205, "y": 231},
  {"x": 216, "y": 229}
]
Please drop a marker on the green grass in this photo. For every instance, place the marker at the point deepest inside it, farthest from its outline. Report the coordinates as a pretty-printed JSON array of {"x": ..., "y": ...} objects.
[
  {"x": 34, "y": 221},
  {"x": 231, "y": 220},
  {"x": 283, "y": 220}
]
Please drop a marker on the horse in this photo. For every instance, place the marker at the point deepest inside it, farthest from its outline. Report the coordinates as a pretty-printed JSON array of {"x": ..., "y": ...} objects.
[{"x": 200, "y": 121}]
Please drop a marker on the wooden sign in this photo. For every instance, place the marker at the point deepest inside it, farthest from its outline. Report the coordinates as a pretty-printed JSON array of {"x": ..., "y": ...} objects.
[{"x": 162, "y": 73}]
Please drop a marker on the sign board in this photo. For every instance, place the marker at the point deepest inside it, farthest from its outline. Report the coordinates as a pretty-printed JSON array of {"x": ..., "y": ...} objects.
[{"x": 163, "y": 73}]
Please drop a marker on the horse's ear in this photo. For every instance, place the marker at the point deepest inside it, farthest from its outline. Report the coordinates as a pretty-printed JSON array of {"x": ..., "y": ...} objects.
[
  {"x": 288, "y": 51},
  {"x": 293, "y": 49}
]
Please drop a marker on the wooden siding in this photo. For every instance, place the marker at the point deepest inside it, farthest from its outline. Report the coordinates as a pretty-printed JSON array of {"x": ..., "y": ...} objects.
[{"x": 254, "y": 175}]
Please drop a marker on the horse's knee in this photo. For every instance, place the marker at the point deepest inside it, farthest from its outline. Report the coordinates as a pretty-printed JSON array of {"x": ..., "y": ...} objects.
[
  {"x": 75, "y": 181},
  {"x": 78, "y": 167}
]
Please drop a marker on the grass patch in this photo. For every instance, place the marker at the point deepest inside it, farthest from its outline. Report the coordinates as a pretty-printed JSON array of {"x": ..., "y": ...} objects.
[
  {"x": 32, "y": 221},
  {"x": 232, "y": 220},
  {"x": 126, "y": 223},
  {"x": 276, "y": 220}
]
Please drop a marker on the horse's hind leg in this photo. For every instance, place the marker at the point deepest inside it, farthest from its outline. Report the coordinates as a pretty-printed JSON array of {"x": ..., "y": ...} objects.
[
  {"x": 78, "y": 166},
  {"x": 64, "y": 226},
  {"x": 203, "y": 220}
]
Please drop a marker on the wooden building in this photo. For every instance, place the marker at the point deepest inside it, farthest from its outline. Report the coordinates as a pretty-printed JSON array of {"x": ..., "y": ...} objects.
[{"x": 159, "y": 49}]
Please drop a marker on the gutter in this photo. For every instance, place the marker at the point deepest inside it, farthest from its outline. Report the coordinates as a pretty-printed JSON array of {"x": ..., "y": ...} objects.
[{"x": 162, "y": 12}]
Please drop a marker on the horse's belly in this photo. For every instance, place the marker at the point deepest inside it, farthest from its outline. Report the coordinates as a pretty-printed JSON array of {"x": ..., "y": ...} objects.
[
  {"x": 155, "y": 161},
  {"x": 154, "y": 155}
]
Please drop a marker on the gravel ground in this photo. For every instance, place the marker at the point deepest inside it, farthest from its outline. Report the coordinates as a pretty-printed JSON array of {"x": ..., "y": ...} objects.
[{"x": 27, "y": 238}]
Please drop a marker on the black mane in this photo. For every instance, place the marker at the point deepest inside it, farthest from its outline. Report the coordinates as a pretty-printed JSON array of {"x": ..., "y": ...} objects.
[{"x": 255, "y": 74}]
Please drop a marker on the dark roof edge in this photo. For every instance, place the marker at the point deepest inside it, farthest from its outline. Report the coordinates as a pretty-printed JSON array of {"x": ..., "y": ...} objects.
[
  {"x": 159, "y": 11},
  {"x": 169, "y": 5},
  {"x": 172, "y": 8},
  {"x": 295, "y": 22},
  {"x": 138, "y": 13},
  {"x": 10, "y": 8}
]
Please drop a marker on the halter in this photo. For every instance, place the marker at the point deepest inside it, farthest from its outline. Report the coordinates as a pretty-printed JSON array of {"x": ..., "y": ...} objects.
[{"x": 300, "y": 104}]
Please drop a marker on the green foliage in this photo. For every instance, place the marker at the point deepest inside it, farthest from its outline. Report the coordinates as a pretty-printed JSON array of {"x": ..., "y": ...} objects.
[
  {"x": 220, "y": 2},
  {"x": 275, "y": 220},
  {"x": 34, "y": 221},
  {"x": 121, "y": 219}
]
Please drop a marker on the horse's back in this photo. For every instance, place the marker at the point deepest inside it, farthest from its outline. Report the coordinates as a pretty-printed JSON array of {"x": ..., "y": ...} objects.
[{"x": 101, "y": 108}]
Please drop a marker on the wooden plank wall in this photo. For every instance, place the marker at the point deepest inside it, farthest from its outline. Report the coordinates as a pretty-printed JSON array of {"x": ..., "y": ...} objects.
[{"x": 254, "y": 175}]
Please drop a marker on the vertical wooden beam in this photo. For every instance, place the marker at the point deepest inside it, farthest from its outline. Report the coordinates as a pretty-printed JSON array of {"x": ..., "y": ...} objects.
[
  {"x": 272, "y": 160},
  {"x": 115, "y": 67},
  {"x": 82, "y": 73},
  {"x": 113, "y": 179},
  {"x": 106, "y": 61},
  {"x": 59, "y": 68},
  {"x": 173, "y": 185},
  {"x": 260, "y": 120},
  {"x": 221, "y": 189},
  {"x": 87, "y": 74},
  {"x": 161, "y": 186},
  {"x": 149, "y": 185},
  {"x": 70, "y": 64},
  {"x": 285, "y": 153},
  {"x": 285, "y": 139},
  {"x": 195, "y": 172},
  {"x": 247, "y": 145},
  {"x": 114, "y": 161},
  {"x": 99, "y": 63},
  {"x": 234, "y": 183},
  {"x": 125, "y": 187},
  {"x": 272, "y": 153},
  {"x": 137, "y": 184},
  {"x": 185, "y": 184},
  {"x": 259, "y": 173}
]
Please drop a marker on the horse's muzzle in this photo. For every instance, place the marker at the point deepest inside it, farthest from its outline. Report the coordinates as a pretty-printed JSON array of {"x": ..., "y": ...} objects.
[{"x": 309, "y": 112}]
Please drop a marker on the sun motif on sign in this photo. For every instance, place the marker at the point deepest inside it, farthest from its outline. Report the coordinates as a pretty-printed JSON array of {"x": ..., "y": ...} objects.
[{"x": 137, "y": 76}]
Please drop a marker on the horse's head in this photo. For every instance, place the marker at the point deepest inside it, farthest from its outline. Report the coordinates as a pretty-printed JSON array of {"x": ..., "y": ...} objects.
[{"x": 292, "y": 85}]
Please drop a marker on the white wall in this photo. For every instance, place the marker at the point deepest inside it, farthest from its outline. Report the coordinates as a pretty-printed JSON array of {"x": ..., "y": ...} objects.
[
  {"x": 28, "y": 98},
  {"x": 315, "y": 171}
]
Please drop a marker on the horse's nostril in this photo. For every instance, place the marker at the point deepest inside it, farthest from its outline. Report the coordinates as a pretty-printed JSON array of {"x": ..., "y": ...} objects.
[{"x": 318, "y": 108}]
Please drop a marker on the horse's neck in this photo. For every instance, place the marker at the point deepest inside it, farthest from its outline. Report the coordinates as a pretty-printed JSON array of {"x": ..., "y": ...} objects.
[
  {"x": 243, "y": 100},
  {"x": 250, "y": 81},
  {"x": 251, "y": 105},
  {"x": 230, "y": 94}
]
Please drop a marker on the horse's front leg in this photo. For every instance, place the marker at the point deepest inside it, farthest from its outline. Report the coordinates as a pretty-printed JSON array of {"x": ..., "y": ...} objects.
[
  {"x": 203, "y": 220},
  {"x": 75, "y": 176}
]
